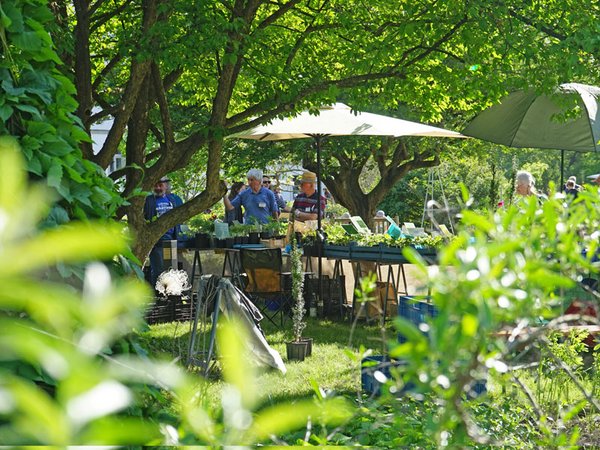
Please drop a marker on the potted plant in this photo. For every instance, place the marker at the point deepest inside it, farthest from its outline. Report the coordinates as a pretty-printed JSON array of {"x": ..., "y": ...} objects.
[
  {"x": 428, "y": 245},
  {"x": 276, "y": 228},
  {"x": 254, "y": 232},
  {"x": 238, "y": 232},
  {"x": 309, "y": 243},
  {"x": 298, "y": 349},
  {"x": 203, "y": 225},
  {"x": 368, "y": 247}
]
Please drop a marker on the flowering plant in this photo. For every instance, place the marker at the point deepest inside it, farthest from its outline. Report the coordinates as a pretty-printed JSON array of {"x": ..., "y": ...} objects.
[{"x": 172, "y": 282}]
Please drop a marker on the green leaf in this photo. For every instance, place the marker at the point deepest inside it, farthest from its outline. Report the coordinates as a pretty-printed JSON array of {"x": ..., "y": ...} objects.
[
  {"x": 71, "y": 243},
  {"x": 30, "y": 109},
  {"x": 121, "y": 431},
  {"x": 12, "y": 163},
  {"x": 15, "y": 16},
  {"x": 28, "y": 41},
  {"x": 34, "y": 165},
  {"x": 5, "y": 112},
  {"x": 469, "y": 325},
  {"x": 236, "y": 370},
  {"x": 281, "y": 419},
  {"x": 42, "y": 420},
  {"x": 36, "y": 128},
  {"x": 4, "y": 19},
  {"x": 54, "y": 175}
]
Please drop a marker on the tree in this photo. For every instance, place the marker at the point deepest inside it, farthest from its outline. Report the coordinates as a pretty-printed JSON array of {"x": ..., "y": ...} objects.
[
  {"x": 179, "y": 76},
  {"x": 393, "y": 159}
]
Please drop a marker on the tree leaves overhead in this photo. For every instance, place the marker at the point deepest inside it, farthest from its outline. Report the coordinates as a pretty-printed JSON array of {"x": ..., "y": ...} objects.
[{"x": 179, "y": 76}]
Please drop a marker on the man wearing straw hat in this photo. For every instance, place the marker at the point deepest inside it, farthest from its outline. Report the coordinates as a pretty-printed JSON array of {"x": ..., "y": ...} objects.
[{"x": 305, "y": 204}]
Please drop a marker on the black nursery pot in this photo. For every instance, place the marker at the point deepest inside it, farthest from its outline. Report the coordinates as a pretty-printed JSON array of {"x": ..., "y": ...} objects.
[
  {"x": 253, "y": 238},
  {"x": 296, "y": 351},
  {"x": 229, "y": 242},
  {"x": 202, "y": 240}
]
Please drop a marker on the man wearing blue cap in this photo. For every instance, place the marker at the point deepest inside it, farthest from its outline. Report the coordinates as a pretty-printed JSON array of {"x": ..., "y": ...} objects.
[{"x": 157, "y": 204}]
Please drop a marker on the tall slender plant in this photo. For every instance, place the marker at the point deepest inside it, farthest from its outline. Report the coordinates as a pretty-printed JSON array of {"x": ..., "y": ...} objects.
[{"x": 297, "y": 291}]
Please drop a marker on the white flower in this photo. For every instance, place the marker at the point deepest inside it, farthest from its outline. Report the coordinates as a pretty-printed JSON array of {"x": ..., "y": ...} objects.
[{"x": 172, "y": 282}]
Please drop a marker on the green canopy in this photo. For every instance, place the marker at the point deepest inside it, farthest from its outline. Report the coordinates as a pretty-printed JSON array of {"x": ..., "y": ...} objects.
[{"x": 525, "y": 119}]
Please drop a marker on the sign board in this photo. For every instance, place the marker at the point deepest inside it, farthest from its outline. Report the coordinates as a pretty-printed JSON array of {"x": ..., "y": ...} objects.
[{"x": 360, "y": 225}]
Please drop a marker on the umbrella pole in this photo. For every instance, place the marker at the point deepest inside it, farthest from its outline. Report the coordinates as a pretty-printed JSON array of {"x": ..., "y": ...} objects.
[
  {"x": 318, "y": 139},
  {"x": 562, "y": 168}
]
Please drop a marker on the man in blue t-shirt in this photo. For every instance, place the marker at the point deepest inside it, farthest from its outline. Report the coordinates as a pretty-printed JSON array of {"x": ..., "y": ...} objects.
[
  {"x": 155, "y": 206},
  {"x": 259, "y": 202}
]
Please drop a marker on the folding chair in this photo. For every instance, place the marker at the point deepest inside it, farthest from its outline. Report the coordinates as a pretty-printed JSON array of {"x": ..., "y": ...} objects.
[{"x": 265, "y": 283}]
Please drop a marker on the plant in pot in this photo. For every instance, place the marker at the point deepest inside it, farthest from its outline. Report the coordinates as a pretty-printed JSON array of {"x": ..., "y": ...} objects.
[
  {"x": 428, "y": 245},
  {"x": 254, "y": 232},
  {"x": 309, "y": 243},
  {"x": 299, "y": 348},
  {"x": 238, "y": 232},
  {"x": 338, "y": 241},
  {"x": 276, "y": 228},
  {"x": 203, "y": 225}
]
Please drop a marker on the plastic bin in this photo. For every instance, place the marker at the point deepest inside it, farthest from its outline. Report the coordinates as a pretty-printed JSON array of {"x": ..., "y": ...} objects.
[
  {"x": 372, "y": 364},
  {"x": 414, "y": 311},
  {"x": 417, "y": 312}
]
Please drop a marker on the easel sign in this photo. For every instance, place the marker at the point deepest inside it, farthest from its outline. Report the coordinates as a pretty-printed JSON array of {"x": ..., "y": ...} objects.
[
  {"x": 360, "y": 225},
  {"x": 350, "y": 229},
  {"x": 393, "y": 230},
  {"x": 410, "y": 229},
  {"x": 445, "y": 231}
]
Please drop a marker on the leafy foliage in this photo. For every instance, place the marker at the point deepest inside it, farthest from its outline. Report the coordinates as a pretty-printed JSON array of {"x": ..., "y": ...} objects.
[
  {"x": 509, "y": 268},
  {"x": 60, "y": 385},
  {"x": 38, "y": 107}
]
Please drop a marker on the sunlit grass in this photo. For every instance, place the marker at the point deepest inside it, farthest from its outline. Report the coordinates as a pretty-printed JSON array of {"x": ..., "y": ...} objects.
[{"x": 329, "y": 367}]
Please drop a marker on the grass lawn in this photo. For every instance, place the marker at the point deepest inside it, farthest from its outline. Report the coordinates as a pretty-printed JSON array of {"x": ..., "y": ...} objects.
[
  {"x": 330, "y": 366},
  {"x": 335, "y": 366}
]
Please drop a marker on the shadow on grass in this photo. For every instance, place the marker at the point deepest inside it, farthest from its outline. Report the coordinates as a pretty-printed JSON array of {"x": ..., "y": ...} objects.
[
  {"x": 173, "y": 338},
  {"x": 334, "y": 365}
]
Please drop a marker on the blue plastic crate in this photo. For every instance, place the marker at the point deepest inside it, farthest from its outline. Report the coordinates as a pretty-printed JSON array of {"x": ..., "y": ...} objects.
[
  {"x": 372, "y": 364},
  {"x": 417, "y": 312},
  {"x": 476, "y": 388}
]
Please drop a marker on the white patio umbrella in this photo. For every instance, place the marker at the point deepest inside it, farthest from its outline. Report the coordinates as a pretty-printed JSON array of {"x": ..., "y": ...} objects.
[{"x": 338, "y": 120}]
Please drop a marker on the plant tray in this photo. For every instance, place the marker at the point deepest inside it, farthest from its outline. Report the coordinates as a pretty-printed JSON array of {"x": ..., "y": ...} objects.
[
  {"x": 336, "y": 251},
  {"x": 365, "y": 253}
]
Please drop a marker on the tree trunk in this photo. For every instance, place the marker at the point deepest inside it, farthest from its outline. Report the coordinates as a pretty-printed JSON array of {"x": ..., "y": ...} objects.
[
  {"x": 83, "y": 70},
  {"x": 394, "y": 160}
]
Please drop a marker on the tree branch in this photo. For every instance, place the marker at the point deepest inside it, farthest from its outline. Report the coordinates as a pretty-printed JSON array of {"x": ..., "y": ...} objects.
[
  {"x": 101, "y": 19},
  {"x": 163, "y": 106},
  {"x": 107, "y": 68},
  {"x": 282, "y": 107},
  {"x": 547, "y": 30},
  {"x": 139, "y": 72},
  {"x": 277, "y": 14},
  {"x": 436, "y": 45}
]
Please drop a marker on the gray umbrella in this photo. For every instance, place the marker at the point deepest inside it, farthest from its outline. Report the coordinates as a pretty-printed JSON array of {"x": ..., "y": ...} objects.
[{"x": 569, "y": 119}]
